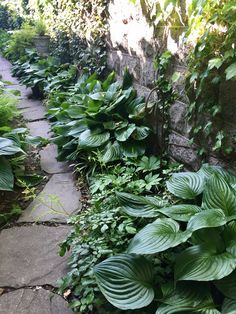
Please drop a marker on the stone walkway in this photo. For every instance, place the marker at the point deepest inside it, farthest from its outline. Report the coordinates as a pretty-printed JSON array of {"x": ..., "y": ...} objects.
[{"x": 29, "y": 262}]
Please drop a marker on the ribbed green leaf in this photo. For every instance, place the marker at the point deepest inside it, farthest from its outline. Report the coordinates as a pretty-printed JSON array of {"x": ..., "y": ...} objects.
[
  {"x": 186, "y": 185},
  {"x": 181, "y": 212},
  {"x": 158, "y": 236},
  {"x": 123, "y": 134},
  {"x": 219, "y": 194},
  {"x": 6, "y": 175},
  {"x": 90, "y": 138},
  {"x": 8, "y": 147},
  {"x": 203, "y": 263},
  {"x": 140, "y": 206},
  {"x": 227, "y": 285},
  {"x": 126, "y": 281},
  {"x": 141, "y": 133},
  {"x": 133, "y": 149},
  {"x": 229, "y": 307},
  {"x": 188, "y": 297},
  {"x": 209, "y": 218},
  {"x": 207, "y": 171},
  {"x": 112, "y": 152}
]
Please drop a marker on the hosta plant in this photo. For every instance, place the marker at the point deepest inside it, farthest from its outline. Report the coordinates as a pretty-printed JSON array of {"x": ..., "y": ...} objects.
[
  {"x": 184, "y": 259},
  {"x": 100, "y": 116}
]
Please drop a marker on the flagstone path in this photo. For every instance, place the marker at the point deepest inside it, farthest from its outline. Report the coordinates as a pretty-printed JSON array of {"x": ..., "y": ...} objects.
[{"x": 29, "y": 262}]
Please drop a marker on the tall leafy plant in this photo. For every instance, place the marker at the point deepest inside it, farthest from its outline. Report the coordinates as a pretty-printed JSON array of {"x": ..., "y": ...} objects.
[{"x": 194, "y": 239}]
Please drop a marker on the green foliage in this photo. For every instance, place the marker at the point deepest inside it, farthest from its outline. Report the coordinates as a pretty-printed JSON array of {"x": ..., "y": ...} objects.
[
  {"x": 18, "y": 42},
  {"x": 194, "y": 240},
  {"x": 40, "y": 28},
  {"x": 8, "y": 110},
  {"x": 99, "y": 116},
  {"x": 211, "y": 65}
]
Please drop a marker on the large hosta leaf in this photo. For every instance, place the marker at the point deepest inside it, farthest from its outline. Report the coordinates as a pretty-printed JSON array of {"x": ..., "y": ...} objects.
[
  {"x": 6, "y": 175},
  {"x": 181, "y": 212},
  {"x": 208, "y": 218},
  {"x": 219, "y": 194},
  {"x": 158, "y": 236},
  {"x": 91, "y": 139},
  {"x": 188, "y": 297},
  {"x": 8, "y": 147},
  {"x": 141, "y": 133},
  {"x": 112, "y": 152},
  {"x": 204, "y": 263},
  {"x": 229, "y": 306},
  {"x": 126, "y": 281},
  {"x": 133, "y": 149},
  {"x": 140, "y": 206},
  {"x": 207, "y": 171},
  {"x": 227, "y": 285},
  {"x": 124, "y": 133},
  {"x": 186, "y": 185}
]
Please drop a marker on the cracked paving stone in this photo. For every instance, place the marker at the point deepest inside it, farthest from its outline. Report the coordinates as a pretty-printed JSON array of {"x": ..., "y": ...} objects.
[
  {"x": 29, "y": 103},
  {"x": 49, "y": 162},
  {"x": 28, "y": 301},
  {"x": 39, "y": 128},
  {"x": 29, "y": 256},
  {"x": 58, "y": 200}
]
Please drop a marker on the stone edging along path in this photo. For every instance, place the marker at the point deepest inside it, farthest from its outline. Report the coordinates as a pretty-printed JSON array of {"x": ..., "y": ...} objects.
[{"x": 29, "y": 262}]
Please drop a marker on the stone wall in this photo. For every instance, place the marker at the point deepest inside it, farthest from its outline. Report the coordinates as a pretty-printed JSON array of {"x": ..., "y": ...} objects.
[{"x": 132, "y": 43}]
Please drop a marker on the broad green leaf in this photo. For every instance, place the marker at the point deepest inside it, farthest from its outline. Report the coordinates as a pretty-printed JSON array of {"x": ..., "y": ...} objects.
[
  {"x": 186, "y": 185},
  {"x": 91, "y": 139},
  {"x": 8, "y": 147},
  {"x": 140, "y": 206},
  {"x": 231, "y": 71},
  {"x": 132, "y": 149},
  {"x": 207, "y": 171},
  {"x": 158, "y": 236},
  {"x": 126, "y": 281},
  {"x": 219, "y": 194},
  {"x": 229, "y": 306},
  {"x": 181, "y": 212},
  {"x": 6, "y": 175},
  {"x": 112, "y": 152},
  {"x": 141, "y": 132},
  {"x": 209, "y": 218},
  {"x": 227, "y": 285},
  {"x": 75, "y": 112},
  {"x": 188, "y": 297},
  {"x": 204, "y": 263},
  {"x": 123, "y": 134}
]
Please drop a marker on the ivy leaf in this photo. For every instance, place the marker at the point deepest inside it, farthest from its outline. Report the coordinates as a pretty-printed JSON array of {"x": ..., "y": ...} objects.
[
  {"x": 231, "y": 71},
  {"x": 158, "y": 236},
  {"x": 126, "y": 281},
  {"x": 215, "y": 63},
  {"x": 204, "y": 263},
  {"x": 186, "y": 185}
]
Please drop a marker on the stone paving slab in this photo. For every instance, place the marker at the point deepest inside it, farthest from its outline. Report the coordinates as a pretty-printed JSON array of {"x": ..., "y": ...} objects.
[
  {"x": 5, "y": 64},
  {"x": 49, "y": 162},
  {"x": 39, "y": 128},
  {"x": 29, "y": 255},
  {"x": 28, "y": 301},
  {"x": 7, "y": 76},
  {"x": 58, "y": 200},
  {"x": 29, "y": 103},
  {"x": 35, "y": 113},
  {"x": 25, "y": 92}
]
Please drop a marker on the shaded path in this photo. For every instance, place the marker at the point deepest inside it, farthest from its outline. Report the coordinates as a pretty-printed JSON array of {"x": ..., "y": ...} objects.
[{"x": 29, "y": 263}]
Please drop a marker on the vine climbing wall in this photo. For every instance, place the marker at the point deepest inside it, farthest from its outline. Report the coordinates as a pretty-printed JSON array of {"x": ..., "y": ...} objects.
[{"x": 136, "y": 35}]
